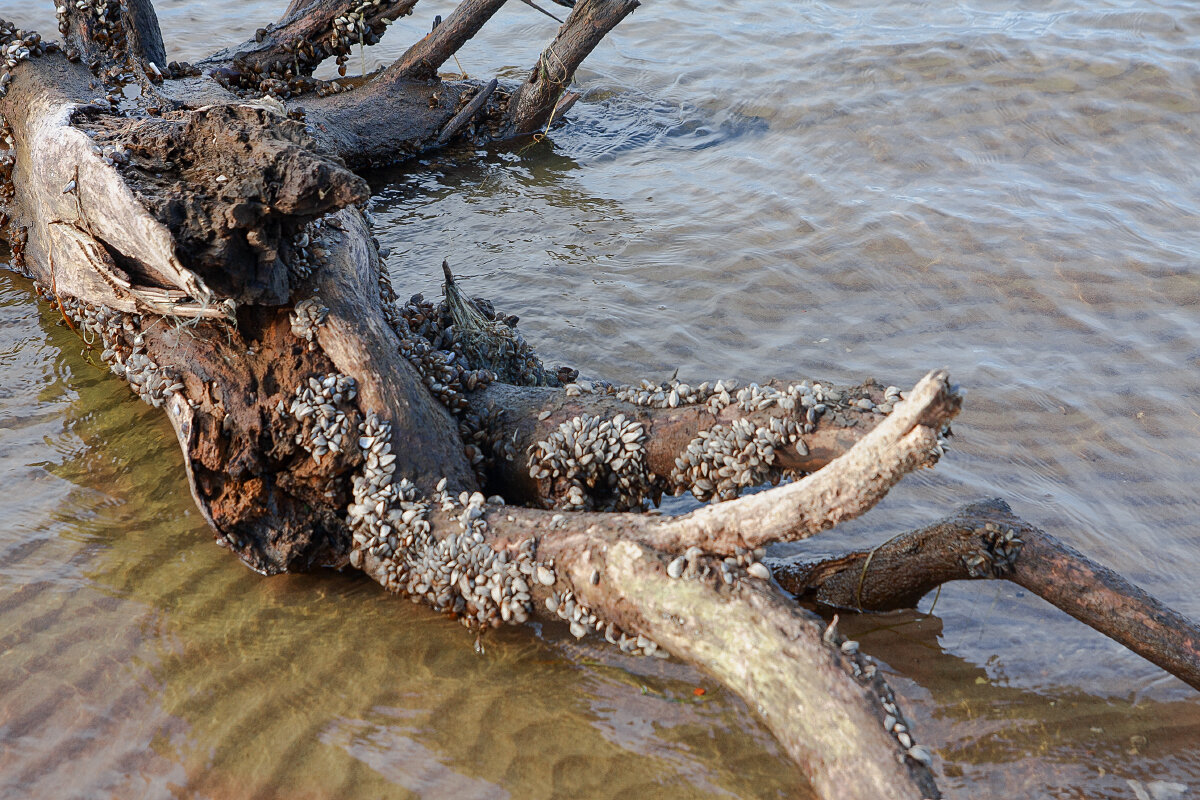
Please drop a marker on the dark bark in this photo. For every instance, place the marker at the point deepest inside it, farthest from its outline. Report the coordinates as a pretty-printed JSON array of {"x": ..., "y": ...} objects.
[
  {"x": 987, "y": 541},
  {"x": 126, "y": 32},
  {"x": 282, "y": 55}
]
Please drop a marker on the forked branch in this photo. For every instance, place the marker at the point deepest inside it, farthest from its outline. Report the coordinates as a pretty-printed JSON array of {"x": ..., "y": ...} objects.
[{"x": 422, "y": 60}]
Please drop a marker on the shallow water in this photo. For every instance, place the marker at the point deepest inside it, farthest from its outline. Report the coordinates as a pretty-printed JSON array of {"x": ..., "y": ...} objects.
[{"x": 837, "y": 190}]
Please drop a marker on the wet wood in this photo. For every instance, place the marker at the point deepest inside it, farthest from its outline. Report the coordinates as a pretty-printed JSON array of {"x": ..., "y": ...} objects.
[
  {"x": 827, "y": 704},
  {"x": 469, "y": 112},
  {"x": 971, "y": 545}
]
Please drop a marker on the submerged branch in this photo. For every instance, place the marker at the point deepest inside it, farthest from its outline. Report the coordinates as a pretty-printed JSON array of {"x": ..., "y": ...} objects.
[
  {"x": 987, "y": 541},
  {"x": 827, "y": 704}
]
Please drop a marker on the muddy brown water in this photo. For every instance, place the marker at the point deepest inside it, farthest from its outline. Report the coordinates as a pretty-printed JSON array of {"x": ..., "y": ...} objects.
[{"x": 839, "y": 189}]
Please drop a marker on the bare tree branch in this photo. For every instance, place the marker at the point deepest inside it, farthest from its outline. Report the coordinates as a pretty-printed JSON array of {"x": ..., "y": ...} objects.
[
  {"x": 827, "y": 704},
  {"x": 422, "y": 60},
  {"x": 986, "y": 540},
  {"x": 143, "y": 33},
  {"x": 282, "y": 56},
  {"x": 590, "y": 21}
]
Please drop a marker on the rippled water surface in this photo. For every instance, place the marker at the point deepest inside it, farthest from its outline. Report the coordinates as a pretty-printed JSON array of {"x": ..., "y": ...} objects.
[{"x": 841, "y": 190}]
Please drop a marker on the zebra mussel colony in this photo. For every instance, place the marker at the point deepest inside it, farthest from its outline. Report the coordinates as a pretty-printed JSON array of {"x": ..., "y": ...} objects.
[
  {"x": 306, "y": 251},
  {"x": 8, "y": 161},
  {"x": 814, "y": 398},
  {"x": 384, "y": 515},
  {"x": 325, "y": 428},
  {"x": 305, "y": 317},
  {"x": 17, "y": 45},
  {"x": 695, "y": 564},
  {"x": 999, "y": 556},
  {"x": 461, "y": 573},
  {"x": 721, "y": 394},
  {"x": 594, "y": 463},
  {"x": 427, "y": 346},
  {"x": 431, "y": 342},
  {"x": 865, "y": 671},
  {"x": 725, "y": 459},
  {"x": 121, "y": 346},
  {"x": 581, "y": 621},
  {"x": 485, "y": 441},
  {"x": 102, "y": 23}
]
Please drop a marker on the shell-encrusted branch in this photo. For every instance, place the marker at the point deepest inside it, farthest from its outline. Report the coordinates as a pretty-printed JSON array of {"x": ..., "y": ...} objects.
[
  {"x": 488, "y": 564},
  {"x": 281, "y": 58},
  {"x": 909, "y": 438},
  {"x": 714, "y": 439},
  {"x": 125, "y": 30},
  {"x": 825, "y": 702}
]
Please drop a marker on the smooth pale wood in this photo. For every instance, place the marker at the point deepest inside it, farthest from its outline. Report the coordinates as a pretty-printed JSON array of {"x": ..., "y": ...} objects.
[{"x": 100, "y": 212}]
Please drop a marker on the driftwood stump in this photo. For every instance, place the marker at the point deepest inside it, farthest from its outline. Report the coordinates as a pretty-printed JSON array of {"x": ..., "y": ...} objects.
[{"x": 202, "y": 229}]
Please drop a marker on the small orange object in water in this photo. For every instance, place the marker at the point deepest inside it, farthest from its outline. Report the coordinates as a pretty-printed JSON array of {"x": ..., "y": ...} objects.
[{"x": 698, "y": 691}]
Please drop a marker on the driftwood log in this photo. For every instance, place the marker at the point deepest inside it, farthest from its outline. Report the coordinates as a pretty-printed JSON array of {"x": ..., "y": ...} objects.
[{"x": 202, "y": 229}]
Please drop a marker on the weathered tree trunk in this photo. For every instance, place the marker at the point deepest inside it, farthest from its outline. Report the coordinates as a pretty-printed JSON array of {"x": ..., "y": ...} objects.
[{"x": 207, "y": 238}]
